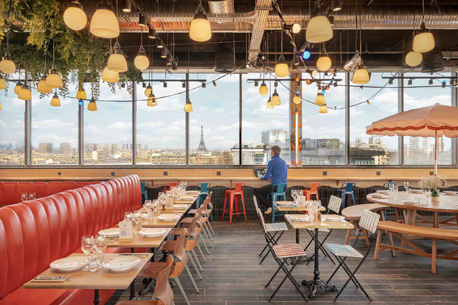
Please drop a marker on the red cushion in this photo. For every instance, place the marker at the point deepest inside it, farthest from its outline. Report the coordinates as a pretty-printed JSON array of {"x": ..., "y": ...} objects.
[{"x": 23, "y": 296}]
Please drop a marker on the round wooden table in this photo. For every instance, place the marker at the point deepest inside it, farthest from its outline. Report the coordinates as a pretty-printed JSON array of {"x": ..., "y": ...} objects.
[{"x": 443, "y": 204}]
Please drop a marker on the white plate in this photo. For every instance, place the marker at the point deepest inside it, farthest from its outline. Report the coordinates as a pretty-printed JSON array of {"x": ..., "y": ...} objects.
[
  {"x": 71, "y": 263},
  {"x": 112, "y": 232},
  {"x": 333, "y": 218},
  {"x": 186, "y": 198},
  {"x": 416, "y": 191},
  {"x": 168, "y": 217},
  {"x": 452, "y": 193},
  {"x": 121, "y": 263},
  {"x": 300, "y": 218},
  {"x": 152, "y": 232},
  {"x": 180, "y": 206},
  {"x": 193, "y": 193}
]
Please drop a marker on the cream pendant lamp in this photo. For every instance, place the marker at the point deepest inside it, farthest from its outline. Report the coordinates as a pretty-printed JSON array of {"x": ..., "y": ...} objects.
[
  {"x": 141, "y": 61},
  {"x": 320, "y": 99},
  {"x": 55, "y": 101},
  {"x": 117, "y": 62},
  {"x": 297, "y": 99},
  {"x": 281, "y": 68},
  {"x": 314, "y": 73},
  {"x": 269, "y": 104},
  {"x": 18, "y": 87},
  {"x": 25, "y": 93},
  {"x": 42, "y": 87},
  {"x": 2, "y": 83},
  {"x": 323, "y": 109},
  {"x": 110, "y": 76},
  {"x": 92, "y": 106},
  {"x": 275, "y": 100},
  {"x": 200, "y": 29},
  {"x": 263, "y": 90},
  {"x": 413, "y": 58},
  {"x": 188, "y": 106},
  {"x": 319, "y": 29},
  {"x": 324, "y": 62},
  {"x": 74, "y": 16},
  {"x": 104, "y": 22},
  {"x": 7, "y": 65},
  {"x": 361, "y": 76},
  {"x": 424, "y": 41}
]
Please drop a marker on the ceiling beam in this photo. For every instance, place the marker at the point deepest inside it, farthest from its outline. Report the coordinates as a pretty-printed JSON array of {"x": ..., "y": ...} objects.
[{"x": 263, "y": 7}]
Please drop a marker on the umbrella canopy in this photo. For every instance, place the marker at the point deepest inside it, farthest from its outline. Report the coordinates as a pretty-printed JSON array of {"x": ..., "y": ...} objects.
[{"x": 427, "y": 122}]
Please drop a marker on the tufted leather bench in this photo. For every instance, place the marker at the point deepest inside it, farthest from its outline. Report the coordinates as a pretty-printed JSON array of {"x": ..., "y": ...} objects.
[{"x": 35, "y": 233}]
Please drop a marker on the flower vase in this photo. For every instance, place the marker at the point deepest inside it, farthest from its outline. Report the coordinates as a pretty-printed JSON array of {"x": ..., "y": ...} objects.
[{"x": 434, "y": 193}]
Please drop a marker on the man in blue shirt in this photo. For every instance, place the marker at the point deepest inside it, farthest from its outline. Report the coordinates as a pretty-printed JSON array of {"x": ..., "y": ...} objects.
[{"x": 277, "y": 172}]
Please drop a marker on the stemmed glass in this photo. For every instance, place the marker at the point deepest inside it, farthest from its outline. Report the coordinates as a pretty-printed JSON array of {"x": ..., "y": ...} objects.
[
  {"x": 406, "y": 186},
  {"x": 87, "y": 245},
  {"x": 24, "y": 197},
  {"x": 100, "y": 246},
  {"x": 32, "y": 196},
  {"x": 294, "y": 194},
  {"x": 428, "y": 195},
  {"x": 137, "y": 221}
]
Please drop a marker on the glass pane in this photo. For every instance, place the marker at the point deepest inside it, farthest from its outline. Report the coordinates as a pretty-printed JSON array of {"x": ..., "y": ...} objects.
[
  {"x": 214, "y": 122},
  {"x": 161, "y": 130},
  {"x": 55, "y": 129},
  {"x": 373, "y": 150},
  {"x": 262, "y": 127},
  {"x": 108, "y": 131},
  {"x": 420, "y": 151},
  {"x": 12, "y": 127},
  {"x": 323, "y": 135}
]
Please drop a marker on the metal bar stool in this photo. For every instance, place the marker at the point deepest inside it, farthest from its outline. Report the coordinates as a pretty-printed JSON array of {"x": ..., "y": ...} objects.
[{"x": 235, "y": 194}]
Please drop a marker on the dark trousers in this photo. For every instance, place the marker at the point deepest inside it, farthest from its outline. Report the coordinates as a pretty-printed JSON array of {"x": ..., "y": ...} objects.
[{"x": 261, "y": 195}]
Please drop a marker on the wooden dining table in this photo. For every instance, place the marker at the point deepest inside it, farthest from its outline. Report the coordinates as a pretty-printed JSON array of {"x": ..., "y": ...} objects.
[
  {"x": 100, "y": 279},
  {"x": 316, "y": 285}
]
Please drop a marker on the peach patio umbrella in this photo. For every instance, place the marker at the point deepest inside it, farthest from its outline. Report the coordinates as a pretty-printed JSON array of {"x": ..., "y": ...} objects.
[{"x": 426, "y": 122}]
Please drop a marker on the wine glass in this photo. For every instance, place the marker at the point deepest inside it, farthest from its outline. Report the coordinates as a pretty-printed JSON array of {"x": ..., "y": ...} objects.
[
  {"x": 406, "y": 186},
  {"x": 32, "y": 196},
  {"x": 391, "y": 186},
  {"x": 428, "y": 195},
  {"x": 128, "y": 216},
  {"x": 294, "y": 194},
  {"x": 100, "y": 245},
  {"x": 87, "y": 245},
  {"x": 24, "y": 197}
]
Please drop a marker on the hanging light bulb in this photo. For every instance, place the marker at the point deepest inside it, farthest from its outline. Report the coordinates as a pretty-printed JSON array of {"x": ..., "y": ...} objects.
[
  {"x": 324, "y": 62},
  {"x": 54, "y": 80},
  {"x": 2, "y": 83},
  {"x": 296, "y": 28},
  {"x": 18, "y": 87},
  {"x": 152, "y": 33},
  {"x": 74, "y": 16},
  {"x": 314, "y": 73},
  {"x": 104, "y": 22},
  {"x": 117, "y": 62},
  {"x": 263, "y": 90},
  {"x": 318, "y": 30},
  {"x": 92, "y": 106},
  {"x": 281, "y": 68},
  {"x": 297, "y": 99},
  {"x": 413, "y": 59},
  {"x": 360, "y": 76},
  {"x": 25, "y": 93},
  {"x": 188, "y": 106},
  {"x": 320, "y": 99},
  {"x": 323, "y": 109},
  {"x": 424, "y": 41},
  {"x": 275, "y": 100},
  {"x": 42, "y": 87},
  {"x": 269, "y": 104},
  {"x": 200, "y": 29},
  {"x": 55, "y": 101},
  {"x": 160, "y": 44},
  {"x": 336, "y": 5},
  {"x": 7, "y": 65},
  {"x": 81, "y": 94},
  {"x": 126, "y": 6},
  {"x": 110, "y": 76},
  {"x": 141, "y": 61}
]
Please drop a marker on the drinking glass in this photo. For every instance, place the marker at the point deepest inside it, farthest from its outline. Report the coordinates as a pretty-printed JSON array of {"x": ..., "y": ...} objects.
[
  {"x": 94, "y": 259},
  {"x": 428, "y": 195},
  {"x": 24, "y": 197},
  {"x": 128, "y": 216},
  {"x": 406, "y": 186},
  {"x": 391, "y": 187},
  {"x": 100, "y": 246},
  {"x": 137, "y": 220},
  {"x": 87, "y": 245}
]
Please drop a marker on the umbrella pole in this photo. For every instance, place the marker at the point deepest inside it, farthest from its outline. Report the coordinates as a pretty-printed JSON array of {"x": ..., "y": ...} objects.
[{"x": 435, "y": 154}]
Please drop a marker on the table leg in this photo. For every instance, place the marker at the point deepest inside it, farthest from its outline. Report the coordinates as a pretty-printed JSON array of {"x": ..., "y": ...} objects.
[
  {"x": 297, "y": 235},
  {"x": 436, "y": 219},
  {"x": 456, "y": 217},
  {"x": 316, "y": 269},
  {"x": 132, "y": 290},
  {"x": 96, "y": 297}
]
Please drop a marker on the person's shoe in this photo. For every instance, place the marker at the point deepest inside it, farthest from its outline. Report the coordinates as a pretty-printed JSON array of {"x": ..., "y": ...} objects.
[{"x": 268, "y": 211}]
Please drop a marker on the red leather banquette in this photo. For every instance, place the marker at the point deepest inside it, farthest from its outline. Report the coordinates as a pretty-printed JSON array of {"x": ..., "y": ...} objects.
[{"x": 35, "y": 233}]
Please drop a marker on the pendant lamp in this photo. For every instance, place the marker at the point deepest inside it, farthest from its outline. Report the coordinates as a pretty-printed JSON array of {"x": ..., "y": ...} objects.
[
  {"x": 275, "y": 100},
  {"x": 323, "y": 109},
  {"x": 117, "y": 62},
  {"x": 1, "y": 106},
  {"x": 297, "y": 99},
  {"x": 413, "y": 58},
  {"x": 81, "y": 94},
  {"x": 360, "y": 76},
  {"x": 151, "y": 101},
  {"x": 25, "y": 93},
  {"x": 55, "y": 101},
  {"x": 324, "y": 62},
  {"x": 169, "y": 61},
  {"x": 42, "y": 87},
  {"x": 320, "y": 99},
  {"x": 281, "y": 68},
  {"x": 54, "y": 80},
  {"x": 18, "y": 87},
  {"x": 7, "y": 65},
  {"x": 200, "y": 29},
  {"x": 148, "y": 90},
  {"x": 152, "y": 33},
  {"x": 110, "y": 76},
  {"x": 141, "y": 61},
  {"x": 188, "y": 106},
  {"x": 318, "y": 30},
  {"x": 263, "y": 90},
  {"x": 269, "y": 104},
  {"x": 92, "y": 106},
  {"x": 2, "y": 83},
  {"x": 424, "y": 41},
  {"x": 104, "y": 22},
  {"x": 74, "y": 16},
  {"x": 126, "y": 6}
]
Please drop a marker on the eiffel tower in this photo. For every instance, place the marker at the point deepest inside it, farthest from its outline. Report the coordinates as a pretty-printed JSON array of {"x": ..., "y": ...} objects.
[{"x": 202, "y": 142}]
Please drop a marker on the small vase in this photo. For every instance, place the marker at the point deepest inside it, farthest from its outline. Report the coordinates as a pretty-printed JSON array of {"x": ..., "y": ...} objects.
[{"x": 435, "y": 193}]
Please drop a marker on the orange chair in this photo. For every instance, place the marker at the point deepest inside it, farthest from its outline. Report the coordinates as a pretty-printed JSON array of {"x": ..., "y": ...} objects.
[
  {"x": 235, "y": 193},
  {"x": 311, "y": 190},
  {"x": 169, "y": 186}
]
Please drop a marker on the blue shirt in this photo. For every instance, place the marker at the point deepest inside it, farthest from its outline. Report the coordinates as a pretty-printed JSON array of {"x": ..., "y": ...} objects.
[{"x": 276, "y": 171}]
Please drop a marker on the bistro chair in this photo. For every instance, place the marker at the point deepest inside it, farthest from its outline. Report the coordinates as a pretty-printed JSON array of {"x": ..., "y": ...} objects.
[
  {"x": 162, "y": 292},
  {"x": 283, "y": 253},
  {"x": 369, "y": 222},
  {"x": 235, "y": 194},
  {"x": 386, "y": 185},
  {"x": 206, "y": 216},
  {"x": 169, "y": 186},
  {"x": 272, "y": 229},
  {"x": 278, "y": 191},
  {"x": 311, "y": 190},
  {"x": 204, "y": 188},
  {"x": 347, "y": 189},
  {"x": 144, "y": 186},
  {"x": 333, "y": 207},
  {"x": 203, "y": 222}
]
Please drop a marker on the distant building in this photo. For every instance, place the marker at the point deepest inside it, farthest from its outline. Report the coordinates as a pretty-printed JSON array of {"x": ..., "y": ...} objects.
[
  {"x": 45, "y": 148},
  {"x": 64, "y": 148},
  {"x": 250, "y": 155},
  {"x": 274, "y": 137},
  {"x": 322, "y": 151}
]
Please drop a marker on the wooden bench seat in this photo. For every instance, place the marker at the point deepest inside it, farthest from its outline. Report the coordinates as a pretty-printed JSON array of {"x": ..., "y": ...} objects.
[{"x": 400, "y": 229}]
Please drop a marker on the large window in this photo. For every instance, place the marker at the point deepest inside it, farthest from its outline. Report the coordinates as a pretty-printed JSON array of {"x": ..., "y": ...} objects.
[
  {"x": 54, "y": 129},
  {"x": 108, "y": 131},
  {"x": 323, "y": 135},
  {"x": 11, "y": 128},
  {"x": 373, "y": 150},
  {"x": 161, "y": 130},
  {"x": 214, "y": 122},
  {"x": 419, "y": 151},
  {"x": 262, "y": 127}
]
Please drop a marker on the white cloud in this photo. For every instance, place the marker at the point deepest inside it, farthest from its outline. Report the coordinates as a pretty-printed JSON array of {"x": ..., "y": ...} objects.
[
  {"x": 120, "y": 125},
  {"x": 52, "y": 123}
]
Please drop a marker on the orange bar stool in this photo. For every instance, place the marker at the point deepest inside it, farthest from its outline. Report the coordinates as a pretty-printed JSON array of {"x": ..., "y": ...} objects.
[
  {"x": 235, "y": 193},
  {"x": 311, "y": 190}
]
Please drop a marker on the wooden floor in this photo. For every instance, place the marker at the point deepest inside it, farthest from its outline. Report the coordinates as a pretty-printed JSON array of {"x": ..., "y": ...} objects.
[{"x": 232, "y": 274}]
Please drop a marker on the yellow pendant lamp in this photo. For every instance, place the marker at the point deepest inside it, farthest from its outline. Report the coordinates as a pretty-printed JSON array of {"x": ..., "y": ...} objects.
[
  {"x": 1, "y": 106},
  {"x": 42, "y": 87},
  {"x": 117, "y": 62},
  {"x": 188, "y": 106},
  {"x": 148, "y": 90},
  {"x": 297, "y": 99},
  {"x": 200, "y": 29},
  {"x": 110, "y": 76},
  {"x": 55, "y": 101},
  {"x": 2, "y": 83},
  {"x": 323, "y": 109},
  {"x": 318, "y": 30},
  {"x": 92, "y": 106},
  {"x": 151, "y": 101},
  {"x": 320, "y": 99},
  {"x": 413, "y": 59},
  {"x": 25, "y": 93},
  {"x": 54, "y": 80},
  {"x": 74, "y": 16},
  {"x": 275, "y": 100},
  {"x": 269, "y": 104},
  {"x": 281, "y": 68},
  {"x": 424, "y": 41},
  {"x": 81, "y": 94},
  {"x": 263, "y": 90},
  {"x": 360, "y": 76},
  {"x": 141, "y": 61},
  {"x": 104, "y": 22},
  {"x": 324, "y": 63},
  {"x": 7, "y": 66},
  {"x": 18, "y": 87}
]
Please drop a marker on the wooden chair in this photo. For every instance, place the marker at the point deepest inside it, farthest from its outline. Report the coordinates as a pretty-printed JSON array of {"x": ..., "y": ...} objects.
[
  {"x": 162, "y": 292},
  {"x": 206, "y": 215}
]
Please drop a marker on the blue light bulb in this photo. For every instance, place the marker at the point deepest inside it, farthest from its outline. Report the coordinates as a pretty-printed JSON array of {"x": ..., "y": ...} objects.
[
  {"x": 306, "y": 54},
  {"x": 80, "y": 102},
  {"x": 323, "y": 91}
]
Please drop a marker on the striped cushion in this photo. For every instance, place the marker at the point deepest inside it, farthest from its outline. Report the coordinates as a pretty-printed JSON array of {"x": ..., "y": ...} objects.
[
  {"x": 278, "y": 226},
  {"x": 288, "y": 250}
]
